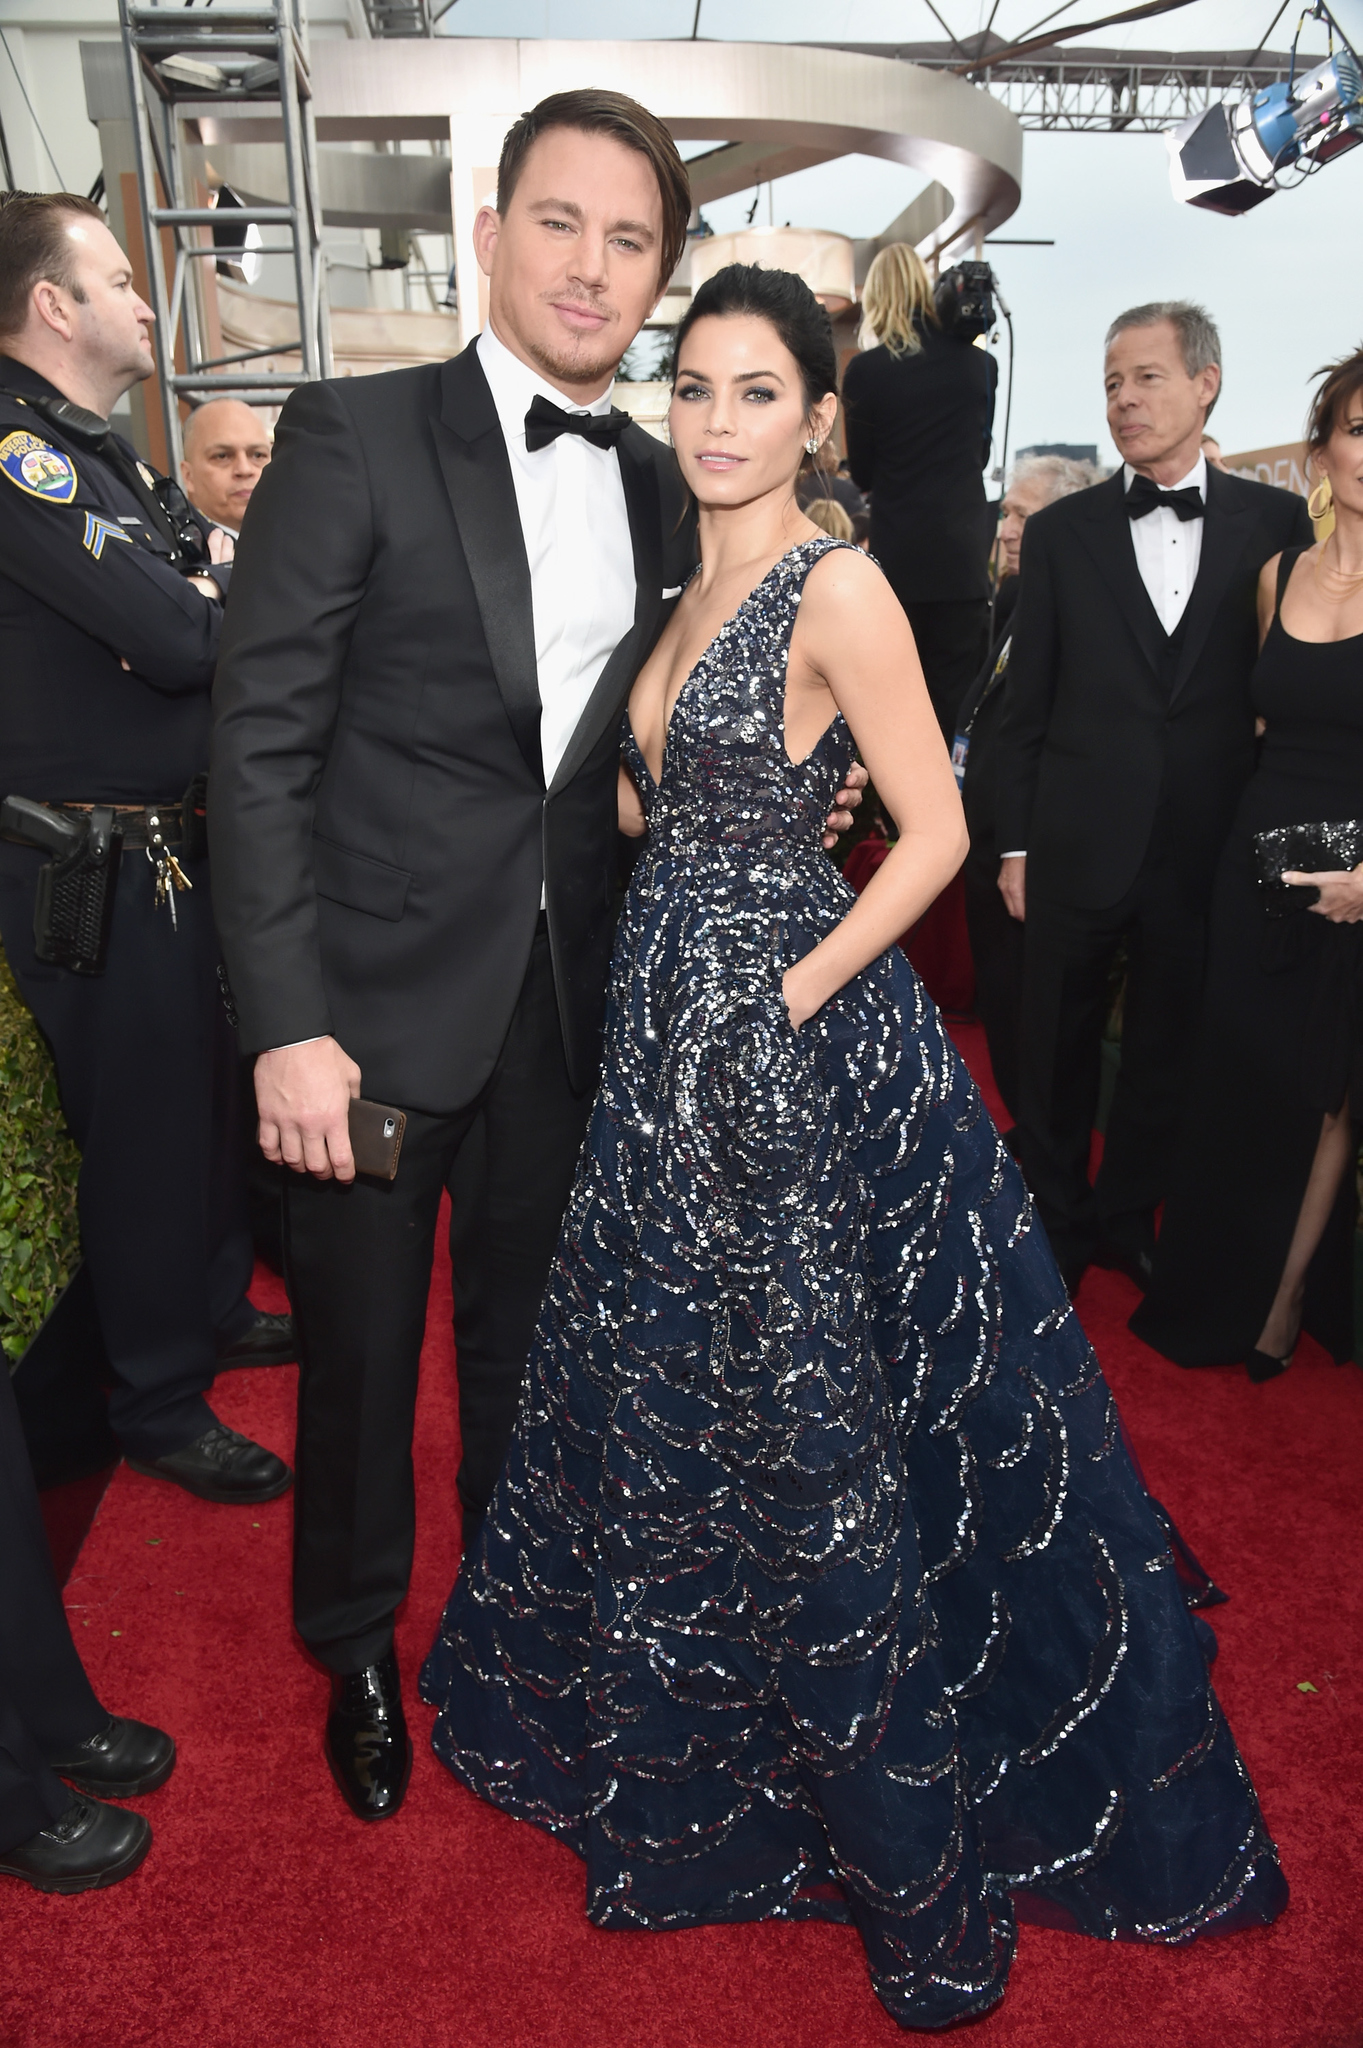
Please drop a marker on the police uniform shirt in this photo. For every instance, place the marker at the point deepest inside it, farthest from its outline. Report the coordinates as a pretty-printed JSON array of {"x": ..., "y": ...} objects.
[{"x": 86, "y": 583}]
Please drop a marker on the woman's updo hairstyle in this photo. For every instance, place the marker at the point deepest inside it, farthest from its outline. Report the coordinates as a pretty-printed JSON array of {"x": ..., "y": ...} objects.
[{"x": 786, "y": 302}]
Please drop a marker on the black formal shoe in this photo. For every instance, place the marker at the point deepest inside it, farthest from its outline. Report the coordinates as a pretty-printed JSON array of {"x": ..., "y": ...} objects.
[
  {"x": 126, "y": 1760},
  {"x": 90, "y": 1846},
  {"x": 269, "y": 1341},
  {"x": 1262, "y": 1365},
  {"x": 367, "y": 1743},
  {"x": 223, "y": 1466},
  {"x": 1134, "y": 1260}
]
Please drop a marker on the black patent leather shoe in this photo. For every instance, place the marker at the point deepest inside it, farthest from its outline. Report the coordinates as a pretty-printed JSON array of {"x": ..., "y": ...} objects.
[
  {"x": 125, "y": 1760},
  {"x": 269, "y": 1341},
  {"x": 367, "y": 1742},
  {"x": 1262, "y": 1365},
  {"x": 90, "y": 1846},
  {"x": 222, "y": 1466}
]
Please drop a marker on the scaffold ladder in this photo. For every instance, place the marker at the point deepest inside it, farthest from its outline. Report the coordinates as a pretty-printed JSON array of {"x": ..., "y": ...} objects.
[{"x": 180, "y": 57}]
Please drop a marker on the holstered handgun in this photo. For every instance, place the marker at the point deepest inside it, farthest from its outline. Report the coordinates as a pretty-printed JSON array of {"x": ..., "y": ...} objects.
[{"x": 75, "y": 898}]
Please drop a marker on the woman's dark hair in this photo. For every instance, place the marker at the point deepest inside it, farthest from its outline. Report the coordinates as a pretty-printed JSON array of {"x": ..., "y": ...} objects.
[
  {"x": 1343, "y": 381},
  {"x": 787, "y": 303}
]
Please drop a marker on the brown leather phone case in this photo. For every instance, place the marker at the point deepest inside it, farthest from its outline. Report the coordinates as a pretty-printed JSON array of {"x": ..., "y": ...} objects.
[{"x": 376, "y": 1134}]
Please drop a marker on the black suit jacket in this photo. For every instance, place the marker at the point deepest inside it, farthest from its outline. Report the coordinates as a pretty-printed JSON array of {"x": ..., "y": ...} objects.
[
  {"x": 1104, "y": 727},
  {"x": 379, "y": 824},
  {"x": 918, "y": 430},
  {"x": 980, "y": 716}
]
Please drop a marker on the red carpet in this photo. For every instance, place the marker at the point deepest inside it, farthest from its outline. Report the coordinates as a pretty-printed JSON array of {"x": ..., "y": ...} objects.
[{"x": 266, "y": 1917}]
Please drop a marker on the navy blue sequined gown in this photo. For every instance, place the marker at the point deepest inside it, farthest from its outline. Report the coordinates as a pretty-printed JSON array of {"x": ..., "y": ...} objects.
[{"x": 819, "y": 1581}]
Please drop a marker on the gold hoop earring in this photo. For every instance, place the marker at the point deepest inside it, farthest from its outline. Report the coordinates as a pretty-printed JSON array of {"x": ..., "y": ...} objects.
[{"x": 1319, "y": 511}]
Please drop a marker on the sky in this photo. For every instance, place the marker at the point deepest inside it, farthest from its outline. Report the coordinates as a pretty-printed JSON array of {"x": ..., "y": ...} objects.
[{"x": 1284, "y": 283}]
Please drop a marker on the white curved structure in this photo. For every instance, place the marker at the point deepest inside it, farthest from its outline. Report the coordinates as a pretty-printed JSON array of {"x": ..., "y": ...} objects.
[
  {"x": 780, "y": 107},
  {"x": 825, "y": 261}
]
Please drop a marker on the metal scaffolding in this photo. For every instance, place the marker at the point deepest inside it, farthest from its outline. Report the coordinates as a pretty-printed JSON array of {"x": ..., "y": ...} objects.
[
  {"x": 1105, "y": 92},
  {"x": 178, "y": 58},
  {"x": 396, "y": 18}
]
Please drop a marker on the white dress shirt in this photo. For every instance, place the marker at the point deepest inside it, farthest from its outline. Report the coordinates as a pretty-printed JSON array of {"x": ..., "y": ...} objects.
[
  {"x": 1168, "y": 549},
  {"x": 577, "y": 540}
]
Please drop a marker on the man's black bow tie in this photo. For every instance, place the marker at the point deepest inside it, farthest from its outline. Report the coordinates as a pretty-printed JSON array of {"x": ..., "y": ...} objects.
[
  {"x": 545, "y": 422},
  {"x": 1144, "y": 495}
]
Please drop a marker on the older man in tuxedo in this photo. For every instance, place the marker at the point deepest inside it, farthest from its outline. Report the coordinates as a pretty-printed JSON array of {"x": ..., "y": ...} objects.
[
  {"x": 1126, "y": 739},
  {"x": 449, "y": 579}
]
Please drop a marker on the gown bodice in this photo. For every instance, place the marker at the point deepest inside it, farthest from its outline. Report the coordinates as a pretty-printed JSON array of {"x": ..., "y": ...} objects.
[
  {"x": 727, "y": 781},
  {"x": 1310, "y": 693}
]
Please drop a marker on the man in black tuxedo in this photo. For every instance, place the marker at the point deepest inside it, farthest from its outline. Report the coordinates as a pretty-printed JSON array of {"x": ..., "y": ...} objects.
[
  {"x": 446, "y": 585},
  {"x": 1127, "y": 737}
]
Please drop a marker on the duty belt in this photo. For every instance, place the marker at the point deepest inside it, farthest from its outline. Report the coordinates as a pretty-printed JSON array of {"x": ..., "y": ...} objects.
[{"x": 143, "y": 826}]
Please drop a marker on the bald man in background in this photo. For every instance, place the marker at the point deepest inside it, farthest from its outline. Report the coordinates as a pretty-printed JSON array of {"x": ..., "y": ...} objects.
[{"x": 226, "y": 447}]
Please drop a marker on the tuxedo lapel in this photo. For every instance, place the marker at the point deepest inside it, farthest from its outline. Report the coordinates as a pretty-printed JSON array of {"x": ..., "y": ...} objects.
[
  {"x": 1109, "y": 536},
  {"x": 477, "y": 473},
  {"x": 1225, "y": 531},
  {"x": 607, "y": 700}
]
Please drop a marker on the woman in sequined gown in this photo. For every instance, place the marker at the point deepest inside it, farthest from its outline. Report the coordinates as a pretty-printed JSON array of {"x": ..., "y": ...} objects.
[{"x": 819, "y": 1582}]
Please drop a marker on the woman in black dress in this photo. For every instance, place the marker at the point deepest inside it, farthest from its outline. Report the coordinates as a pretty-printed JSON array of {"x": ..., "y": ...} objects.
[
  {"x": 918, "y": 411},
  {"x": 1257, "y": 1235}
]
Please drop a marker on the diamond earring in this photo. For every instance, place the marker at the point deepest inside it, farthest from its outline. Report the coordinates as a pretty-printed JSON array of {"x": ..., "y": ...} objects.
[{"x": 811, "y": 447}]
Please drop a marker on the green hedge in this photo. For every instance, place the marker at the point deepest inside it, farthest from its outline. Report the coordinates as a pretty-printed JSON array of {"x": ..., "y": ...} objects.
[{"x": 39, "y": 1235}]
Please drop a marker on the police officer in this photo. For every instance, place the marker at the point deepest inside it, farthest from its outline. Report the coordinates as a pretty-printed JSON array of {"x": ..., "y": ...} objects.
[{"x": 110, "y": 611}]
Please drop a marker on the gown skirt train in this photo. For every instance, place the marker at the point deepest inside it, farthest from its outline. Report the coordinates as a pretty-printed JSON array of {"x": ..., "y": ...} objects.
[{"x": 820, "y": 1582}]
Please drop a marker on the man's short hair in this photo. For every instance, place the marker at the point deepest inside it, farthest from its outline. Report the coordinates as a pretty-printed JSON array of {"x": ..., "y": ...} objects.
[
  {"x": 1199, "y": 344},
  {"x": 594, "y": 111},
  {"x": 1058, "y": 475},
  {"x": 34, "y": 247}
]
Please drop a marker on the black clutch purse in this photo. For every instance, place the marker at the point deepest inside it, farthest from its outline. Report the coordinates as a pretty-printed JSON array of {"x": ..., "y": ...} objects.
[{"x": 1327, "y": 849}]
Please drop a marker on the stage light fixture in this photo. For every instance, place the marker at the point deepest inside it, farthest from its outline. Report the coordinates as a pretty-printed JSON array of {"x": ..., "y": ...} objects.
[{"x": 1234, "y": 156}]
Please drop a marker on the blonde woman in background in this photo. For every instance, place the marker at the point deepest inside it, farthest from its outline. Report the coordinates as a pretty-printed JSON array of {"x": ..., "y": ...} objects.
[
  {"x": 829, "y": 514},
  {"x": 919, "y": 411}
]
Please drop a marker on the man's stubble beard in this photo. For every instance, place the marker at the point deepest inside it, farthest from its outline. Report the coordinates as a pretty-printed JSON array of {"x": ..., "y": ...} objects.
[{"x": 572, "y": 364}]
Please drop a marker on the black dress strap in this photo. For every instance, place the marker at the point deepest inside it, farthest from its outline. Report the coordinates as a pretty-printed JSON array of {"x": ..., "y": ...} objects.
[{"x": 1287, "y": 562}]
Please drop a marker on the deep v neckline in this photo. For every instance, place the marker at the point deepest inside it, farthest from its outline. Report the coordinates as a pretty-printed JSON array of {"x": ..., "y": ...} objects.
[{"x": 701, "y": 659}]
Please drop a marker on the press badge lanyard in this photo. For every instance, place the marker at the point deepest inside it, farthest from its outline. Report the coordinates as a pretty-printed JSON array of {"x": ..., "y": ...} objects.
[{"x": 960, "y": 746}]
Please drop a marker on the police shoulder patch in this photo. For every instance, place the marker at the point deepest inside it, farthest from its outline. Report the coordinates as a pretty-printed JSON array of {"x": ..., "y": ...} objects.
[
  {"x": 98, "y": 529},
  {"x": 38, "y": 468}
]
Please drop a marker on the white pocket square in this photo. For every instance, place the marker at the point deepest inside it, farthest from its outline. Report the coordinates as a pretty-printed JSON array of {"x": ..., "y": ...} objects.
[{"x": 675, "y": 590}]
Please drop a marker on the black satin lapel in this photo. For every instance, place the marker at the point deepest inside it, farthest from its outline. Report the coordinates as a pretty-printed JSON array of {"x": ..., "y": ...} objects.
[
  {"x": 1225, "y": 532},
  {"x": 607, "y": 700},
  {"x": 1109, "y": 535},
  {"x": 477, "y": 473}
]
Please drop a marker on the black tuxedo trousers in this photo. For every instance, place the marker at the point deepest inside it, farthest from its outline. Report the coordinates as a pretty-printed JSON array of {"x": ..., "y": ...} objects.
[
  {"x": 359, "y": 1266},
  {"x": 1068, "y": 953}
]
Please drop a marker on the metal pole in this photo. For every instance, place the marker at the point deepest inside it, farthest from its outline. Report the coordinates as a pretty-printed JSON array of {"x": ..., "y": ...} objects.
[{"x": 151, "y": 239}]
